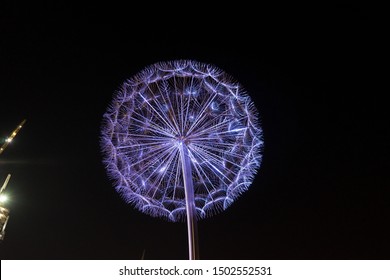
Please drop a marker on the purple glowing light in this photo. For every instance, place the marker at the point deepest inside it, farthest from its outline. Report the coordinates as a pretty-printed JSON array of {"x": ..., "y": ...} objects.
[{"x": 175, "y": 112}]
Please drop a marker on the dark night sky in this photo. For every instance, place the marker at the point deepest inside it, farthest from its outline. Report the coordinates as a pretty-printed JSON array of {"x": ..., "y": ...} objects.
[{"x": 320, "y": 193}]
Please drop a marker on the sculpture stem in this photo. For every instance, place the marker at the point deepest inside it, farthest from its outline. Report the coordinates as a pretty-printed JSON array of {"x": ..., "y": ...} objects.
[{"x": 190, "y": 203}]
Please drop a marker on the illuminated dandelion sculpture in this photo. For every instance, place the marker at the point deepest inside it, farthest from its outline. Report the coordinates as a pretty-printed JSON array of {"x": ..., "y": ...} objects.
[{"x": 182, "y": 141}]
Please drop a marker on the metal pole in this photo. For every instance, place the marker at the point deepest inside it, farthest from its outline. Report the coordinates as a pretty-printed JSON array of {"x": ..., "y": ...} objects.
[
  {"x": 12, "y": 136},
  {"x": 5, "y": 183},
  {"x": 190, "y": 202}
]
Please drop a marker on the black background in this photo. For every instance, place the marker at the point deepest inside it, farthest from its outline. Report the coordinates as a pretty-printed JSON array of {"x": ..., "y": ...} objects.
[{"x": 321, "y": 190}]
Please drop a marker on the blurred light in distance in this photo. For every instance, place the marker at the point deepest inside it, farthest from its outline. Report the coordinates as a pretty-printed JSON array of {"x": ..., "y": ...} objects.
[{"x": 3, "y": 198}]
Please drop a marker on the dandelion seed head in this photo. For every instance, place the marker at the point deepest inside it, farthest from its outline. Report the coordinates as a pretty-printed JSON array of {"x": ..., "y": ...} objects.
[{"x": 169, "y": 104}]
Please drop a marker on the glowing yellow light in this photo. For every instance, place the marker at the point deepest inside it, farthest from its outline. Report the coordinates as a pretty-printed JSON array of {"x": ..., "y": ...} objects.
[{"x": 3, "y": 198}]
